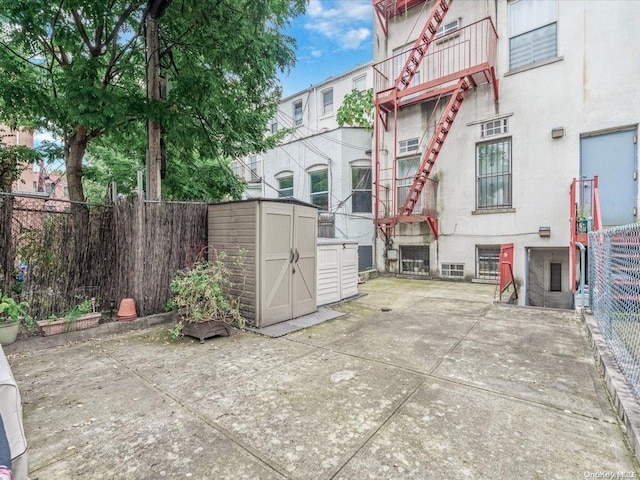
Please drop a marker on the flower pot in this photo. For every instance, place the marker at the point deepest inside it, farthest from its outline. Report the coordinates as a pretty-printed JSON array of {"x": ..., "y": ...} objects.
[
  {"x": 9, "y": 331},
  {"x": 64, "y": 325}
]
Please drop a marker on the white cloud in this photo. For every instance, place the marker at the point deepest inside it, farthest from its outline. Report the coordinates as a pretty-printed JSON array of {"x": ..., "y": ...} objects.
[
  {"x": 346, "y": 24},
  {"x": 316, "y": 53},
  {"x": 354, "y": 38}
]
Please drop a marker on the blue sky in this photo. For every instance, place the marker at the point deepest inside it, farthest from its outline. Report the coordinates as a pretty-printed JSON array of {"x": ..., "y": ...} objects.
[{"x": 332, "y": 37}]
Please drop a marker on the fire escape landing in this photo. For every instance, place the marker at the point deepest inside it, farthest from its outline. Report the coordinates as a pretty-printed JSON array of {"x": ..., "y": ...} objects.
[{"x": 438, "y": 67}]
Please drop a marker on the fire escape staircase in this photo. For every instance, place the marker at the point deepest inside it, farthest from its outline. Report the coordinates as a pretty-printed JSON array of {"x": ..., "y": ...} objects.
[
  {"x": 422, "y": 44},
  {"x": 404, "y": 92}
]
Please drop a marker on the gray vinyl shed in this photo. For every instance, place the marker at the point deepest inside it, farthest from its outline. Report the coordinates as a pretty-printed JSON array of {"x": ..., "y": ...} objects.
[{"x": 279, "y": 238}]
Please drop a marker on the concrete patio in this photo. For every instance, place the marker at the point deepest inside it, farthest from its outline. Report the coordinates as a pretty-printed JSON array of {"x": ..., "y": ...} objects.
[{"x": 445, "y": 384}]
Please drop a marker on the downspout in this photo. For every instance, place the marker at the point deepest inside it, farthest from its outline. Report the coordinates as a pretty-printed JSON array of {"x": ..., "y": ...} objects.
[{"x": 583, "y": 251}]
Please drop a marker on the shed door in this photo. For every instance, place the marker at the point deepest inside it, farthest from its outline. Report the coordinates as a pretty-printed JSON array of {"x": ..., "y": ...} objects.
[
  {"x": 275, "y": 277},
  {"x": 304, "y": 267},
  {"x": 612, "y": 157}
]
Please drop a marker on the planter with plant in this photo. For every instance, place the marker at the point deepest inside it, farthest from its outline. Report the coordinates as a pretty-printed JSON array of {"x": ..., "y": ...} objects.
[
  {"x": 80, "y": 317},
  {"x": 203, "y": 298},
  {"x": 11, "y": 312}
]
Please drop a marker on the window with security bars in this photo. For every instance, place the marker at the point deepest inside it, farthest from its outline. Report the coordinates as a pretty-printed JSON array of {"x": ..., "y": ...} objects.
[
  {"x": 494, "y": 127},
  {"x": 455, "y": 270},
  {"x": 493, "y": 167},
  {"x": 414, "y": 259},
  {"x": 487, "y": 261},
  {"x": 533, "y": 32}
]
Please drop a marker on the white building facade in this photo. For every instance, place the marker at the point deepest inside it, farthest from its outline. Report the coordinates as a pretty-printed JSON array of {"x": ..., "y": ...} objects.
[
  {"x": 482, "y": 127},
  {"x": 320, "y": 162}
]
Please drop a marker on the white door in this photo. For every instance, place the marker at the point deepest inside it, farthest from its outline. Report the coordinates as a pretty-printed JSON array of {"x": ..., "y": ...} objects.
[
  {"x": 304, "y": 279},
  {"x": 277, "y": 255}
]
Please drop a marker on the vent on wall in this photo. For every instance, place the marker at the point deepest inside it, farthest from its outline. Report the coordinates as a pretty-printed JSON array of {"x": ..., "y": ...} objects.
[{"x": 455, "y": 270}]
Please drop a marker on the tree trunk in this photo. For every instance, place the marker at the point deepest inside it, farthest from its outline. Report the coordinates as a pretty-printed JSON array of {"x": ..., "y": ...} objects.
[
  {"x": 6, "y": 242},
  {"x": 75, "y": 147}
]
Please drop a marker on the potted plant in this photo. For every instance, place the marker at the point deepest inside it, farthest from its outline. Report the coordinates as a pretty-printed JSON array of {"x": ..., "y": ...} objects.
[
  {"x": 10, "y": 314},
  {"x": 202, "y": 297},
  {"x": 80, "y": 317}
]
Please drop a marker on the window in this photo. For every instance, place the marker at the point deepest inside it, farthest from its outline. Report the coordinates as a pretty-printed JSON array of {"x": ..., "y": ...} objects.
[
  {"x": 35, "y": 186},
  {"x": 48, "y": 187},
  {"x": 365, "y": 257},
  {"x": 447, "y": 28},
  {"x": 253, "y": 167},
  {"x": 453, "y": 270},
  {"x": 555, "y": 276},
  {"x": 360, "y": 83},
  {"x": 400, "y": 56},
  {"x": 494, "y": 174},
  {"x": 410, "y": 145},
  {"x": 361, "y": 189},
  {"x": 532, "y": 31},
  {"x": 297, "y": 113},
  {"x": 327, "y": 101},
  {"x": 487, "y": 258},
  {"x": 407, "y": 169},
  {"x": 414, "y": 259},
  {"x": 66, "y": 192},
  {"x": 320, "y": 188},
  {"x": 274, "y": 125},
  {"x": 494, "y": 127},
  {"x": 285, "y": 186}
]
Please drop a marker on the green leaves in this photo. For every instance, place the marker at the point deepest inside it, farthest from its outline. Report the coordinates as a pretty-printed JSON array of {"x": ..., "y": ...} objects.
[
  {"x": 357, "y": 109},
  {"x": 79, "y": 67}
]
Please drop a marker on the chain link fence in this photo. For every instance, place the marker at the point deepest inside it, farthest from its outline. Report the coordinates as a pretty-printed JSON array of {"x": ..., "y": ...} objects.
[{"x": 614, "y": 273}]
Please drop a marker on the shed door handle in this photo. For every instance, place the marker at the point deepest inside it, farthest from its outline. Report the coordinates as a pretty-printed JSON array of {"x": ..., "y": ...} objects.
[
  {"x": 291, "y": 256},
  {"x": 297, "y": 256}
]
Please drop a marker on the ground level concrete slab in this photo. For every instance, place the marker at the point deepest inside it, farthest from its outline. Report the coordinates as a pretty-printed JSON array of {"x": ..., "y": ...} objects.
[{"x": 443, "y": 383}]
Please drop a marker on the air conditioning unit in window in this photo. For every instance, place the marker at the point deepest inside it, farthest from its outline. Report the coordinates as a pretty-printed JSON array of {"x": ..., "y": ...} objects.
[{"x": 445, "y": 31}]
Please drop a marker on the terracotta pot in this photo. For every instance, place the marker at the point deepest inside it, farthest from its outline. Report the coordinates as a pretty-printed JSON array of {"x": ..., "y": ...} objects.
[{"x": 127, "y": 310}]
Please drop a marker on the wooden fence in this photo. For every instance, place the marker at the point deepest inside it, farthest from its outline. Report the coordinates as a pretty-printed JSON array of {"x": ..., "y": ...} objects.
[{"x": 130, "y": 249}]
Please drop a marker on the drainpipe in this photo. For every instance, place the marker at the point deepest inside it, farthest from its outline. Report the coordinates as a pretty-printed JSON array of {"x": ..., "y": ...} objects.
[{"x": 582, "y": 260}]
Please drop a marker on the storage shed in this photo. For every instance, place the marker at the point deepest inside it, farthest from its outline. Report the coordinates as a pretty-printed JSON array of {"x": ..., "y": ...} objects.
[
  {"x": 279, "y": 237},
  {"x": 337, "y": 269}
]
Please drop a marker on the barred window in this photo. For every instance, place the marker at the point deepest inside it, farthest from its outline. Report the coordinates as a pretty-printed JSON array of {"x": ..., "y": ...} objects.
[{"x": 493, "y": 169}]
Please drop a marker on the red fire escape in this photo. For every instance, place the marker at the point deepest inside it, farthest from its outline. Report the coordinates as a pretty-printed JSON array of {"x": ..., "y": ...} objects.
[
  {"x": 584, "y": 216},
  {"x": 439, "y": 67}
]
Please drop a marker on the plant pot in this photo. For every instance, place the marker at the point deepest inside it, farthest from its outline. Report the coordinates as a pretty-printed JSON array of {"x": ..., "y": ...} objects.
[
  {"x": 9, "y": 331},
  {"x": 204, "y": 330},
  {"x": 64, "y": 325}
]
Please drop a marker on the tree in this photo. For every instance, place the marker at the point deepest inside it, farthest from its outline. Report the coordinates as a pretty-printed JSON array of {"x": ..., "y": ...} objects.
[
  {"x": 357, "y": 109},
  {"x": 78, "y": 68}
]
